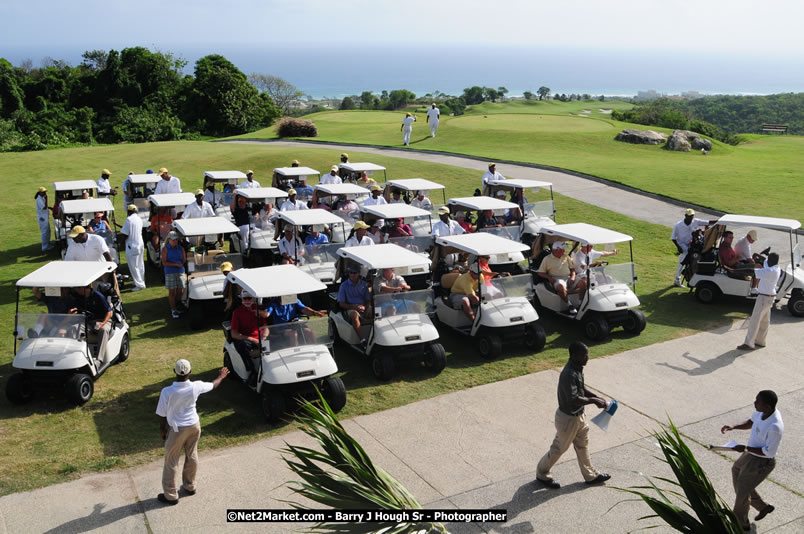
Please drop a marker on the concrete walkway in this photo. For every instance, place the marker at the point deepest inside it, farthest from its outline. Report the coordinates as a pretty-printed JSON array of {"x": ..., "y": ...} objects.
[{"x": 478, "y": 448}]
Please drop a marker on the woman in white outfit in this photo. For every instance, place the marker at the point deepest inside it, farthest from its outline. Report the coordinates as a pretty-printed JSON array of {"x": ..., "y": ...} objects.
[
  {"x": 43, "y": 217},
  {"x": 407, "y": 127}
]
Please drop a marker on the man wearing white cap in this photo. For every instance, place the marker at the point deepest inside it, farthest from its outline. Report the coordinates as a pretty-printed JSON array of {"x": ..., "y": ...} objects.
[
  {"x": 376, "y": 198},
  {"x": 43, "y": 217},
  {"x": 682, "y": 237},
  {"x": 249, "y": 182},
  {"x": 135, "y": 248},
  {"x": 199, "y": 208},
  {"x": 407, "y": 128},
  {"x": 291, "y": 204},
  {"x": 490, "y": 175},
  {"x": 104, "y": 188},
  {"x": 86, "y": 247},
  {"x": 421, "y": 201},
  {"x": 180, "y": 428},
  {"x": 332, "y": 177},
  {"x": 446, "y": 226},
  {"x": 743, "y": 246},
  {"x": 359, "y": 239},
  {"x": 559, "y": 270},
  {"x": 168, "y": 183},
  {"x": 433, "y": 114}
]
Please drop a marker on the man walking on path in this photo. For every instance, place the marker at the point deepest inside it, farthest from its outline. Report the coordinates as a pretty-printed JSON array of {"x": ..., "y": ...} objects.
[
  {"x": 407, "y": 128},
  {"x": 768, "y": 277},
  {"x": 758, "y": 458},
  {"x": 433, "y": 114},
  {"x": 682, "y": 236},
  {"x": 571, "y": 427},
  {"x": 181, "y": 429}
]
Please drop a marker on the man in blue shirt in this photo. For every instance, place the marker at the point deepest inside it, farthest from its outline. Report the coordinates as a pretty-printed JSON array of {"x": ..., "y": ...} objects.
[
  {"x": 99, "y": 315},
  {"x": 354, "y": 300},
  {"x": 285, "y": 313},
  {"x": 315, "y": 237}
]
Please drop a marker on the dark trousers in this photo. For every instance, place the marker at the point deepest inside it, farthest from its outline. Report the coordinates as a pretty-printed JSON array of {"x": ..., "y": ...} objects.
[{"x": 244, "y": 347}]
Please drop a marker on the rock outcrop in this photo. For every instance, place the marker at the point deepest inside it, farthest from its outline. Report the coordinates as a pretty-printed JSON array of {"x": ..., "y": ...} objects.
[
  {"x": 641, "y": 137},
  {"x": 685, "y": 140}
]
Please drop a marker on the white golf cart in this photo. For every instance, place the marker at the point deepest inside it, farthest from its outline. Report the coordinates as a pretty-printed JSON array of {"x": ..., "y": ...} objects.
[
  {"x": 609, "y": 300},
  {"x": 419, "y": 220},
  {"x": 351, "y": 172},
  {"x": 710, "y": 280},
  {"x": 295, "y": 356},
  {"x": 401, "y": 329},
  {"x": 228, "y": 182},
  {"x": 81, "y": 212},
  {"x": 286, "y": 178},
  {"x": 173, "y": 203},
  {"x": 143, "y": 186},
  {"x": 53, "y": 349},
  {"x": 536, "y": 214},
  {"x": 73, "y": 189},
  {"x": 505, "y": 315},
  {"x": 204, "y": 294},
  {"x": 325, "y": 196},
  {"x": 411, "y": 185},
  {"x": 261, "y": 242}
]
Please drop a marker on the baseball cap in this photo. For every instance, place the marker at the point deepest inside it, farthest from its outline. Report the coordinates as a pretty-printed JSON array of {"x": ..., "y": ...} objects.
[
  {"x": 163, "y": 170},
  {"x": 42, "y": 189},
  {"x": 492, "y": 164},
  {"x": 182, "y": 368},
  {"x": 344, "y": 155},
  {"x": 360, "y": 225},
  {"x": 334, "y": 168},
  {"x": 374, "y": 187},
  {"x": 132, "y": 207},
  {"x": 353, "y": 268},
  {"x": 295, "y": 162},
  {"x": 249, "y": 172},
  {"x": 500, "y": 193},
  {"x": 752, "y": 234},
  {"x": 689, "y": 211},
  {"x": 173, "y": 234},
  {"x": 226, "y": 266},
  {"x": 475, "y": 268},
  {"x": 291, "y": 192},
  {"x": 199, "y": 192},
  {"x": 106, "y": 171},
  {"x": 77, "y": 230},
  {"x": 559, "y": 245},
  {"x": 442, "y": 210}
]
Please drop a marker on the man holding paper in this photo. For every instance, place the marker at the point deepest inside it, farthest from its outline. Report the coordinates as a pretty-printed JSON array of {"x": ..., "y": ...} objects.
[{"x": 758, "y": 458}]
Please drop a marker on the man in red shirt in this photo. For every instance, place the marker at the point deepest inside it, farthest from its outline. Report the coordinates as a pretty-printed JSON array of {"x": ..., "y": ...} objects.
[
  {"x": 728, "y": 259},
  {"x": 248, "y": 329},
  {"x": 399, "y": 229}
]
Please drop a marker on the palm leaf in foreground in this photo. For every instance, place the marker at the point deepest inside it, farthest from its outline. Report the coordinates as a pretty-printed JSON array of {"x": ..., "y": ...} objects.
[
  {"x": 711, "y": 514},
  {"x": 342, "y": 476}
]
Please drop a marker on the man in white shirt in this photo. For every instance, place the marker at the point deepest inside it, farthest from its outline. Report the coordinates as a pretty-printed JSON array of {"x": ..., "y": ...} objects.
[
  {"x": 43, "y": 217},
  {"x": 360, "y": 239},
  {"x": 758, "y": 456},
  {"x": 168, "y": 183},
  {"x": 421, "y": 201},
  {"x": 212, "y": 197},
  {"x": 199, "y": 208},
  {"x": 86, "y": 247},
  {"x": 587, "y": 257},
  {"x": 376, "y": 198},
  {"x": 446, "y": 226},
  {"x": 249, "y": 182},
  {"x": 768, "y": 276},
  {"x": 682, "y": 237},
  {"x": 290, "y": 248},
  {"x": 396, "y": 197},
  {"x": 491, "y": 174},
  {"x": 332, "y": 177},
  {"x": 742, "y": 247},
  {"x": 104, "y": 188},
  {"x": 135, "y": 248},
  {"x": 291, "y": 204},
  {"x": 433, "y": 114},
  {"x": 407, "y": 128},
  {"x": 180, "y": 428}
]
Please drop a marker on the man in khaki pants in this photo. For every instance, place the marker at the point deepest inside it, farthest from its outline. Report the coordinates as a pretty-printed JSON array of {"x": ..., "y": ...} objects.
[
  {"x": 181, "y": 429},
  {"x": 571, "y": 427},
  {"x": 768, "y": 276}
]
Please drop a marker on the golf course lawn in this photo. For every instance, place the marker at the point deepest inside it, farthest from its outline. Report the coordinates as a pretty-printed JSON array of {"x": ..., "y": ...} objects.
[
  {"x": 762, "y": 176},
  {"x": 50, "y": 440}
]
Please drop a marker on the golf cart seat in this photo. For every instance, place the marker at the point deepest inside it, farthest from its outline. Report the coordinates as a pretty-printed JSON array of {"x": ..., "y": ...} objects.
[
  {"x": 227, "y": 330},
  {"x": 447, "y": 281}
]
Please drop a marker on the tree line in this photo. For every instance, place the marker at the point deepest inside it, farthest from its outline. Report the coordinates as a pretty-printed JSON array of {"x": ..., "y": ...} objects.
[{"x": 132, "y": 95}]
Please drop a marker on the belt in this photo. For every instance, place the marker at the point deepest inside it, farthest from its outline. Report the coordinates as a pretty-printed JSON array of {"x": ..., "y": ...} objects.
[{"x": 766, "y": 295}]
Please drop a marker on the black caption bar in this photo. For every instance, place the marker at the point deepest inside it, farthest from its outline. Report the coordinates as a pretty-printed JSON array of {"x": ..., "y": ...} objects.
[{"x": 365, "y": 516}]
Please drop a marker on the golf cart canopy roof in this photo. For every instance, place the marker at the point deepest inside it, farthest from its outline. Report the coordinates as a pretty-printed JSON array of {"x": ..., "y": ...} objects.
[
  {"x": 394, "y": 211},
  {"x": 516, "y": 183},
  {"x": 481, "y": 203},
  {"x": 275, "y": 281},
  {"x": 360, "y": 167},
  {"x": 86, "y": 205},
  {"x": 74, "y": 185},
  {"x": 760, "y": 222},
  {"x": 308, "y": 217},
  {"x": 143, "y": 179},
  {"x": 224, "y": 176},
  {"x": 386, "y": 256},
  {"x": 342, "y": 189},
  {"x": 482, "y": 244},
  {"x": 260, "y": 193},
  {"x": 415, "y": 184},
  {"x": 587, "y": 234},
  {"x": 169, "y": 200},
  {"x": 295, "y": 171},
  {"x": 67, "y": 274},
  {"x": 204, "y": 226}
]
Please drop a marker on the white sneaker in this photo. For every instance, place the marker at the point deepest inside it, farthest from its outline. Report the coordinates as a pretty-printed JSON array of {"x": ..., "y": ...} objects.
[
  {"x": 678, "y": 283},
  {"x": 137, "y": 288},
  {"x": 754, "y": 291}
]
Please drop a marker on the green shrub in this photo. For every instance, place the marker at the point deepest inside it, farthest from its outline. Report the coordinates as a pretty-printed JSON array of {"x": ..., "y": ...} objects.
[{"x": 293, "y": 127}]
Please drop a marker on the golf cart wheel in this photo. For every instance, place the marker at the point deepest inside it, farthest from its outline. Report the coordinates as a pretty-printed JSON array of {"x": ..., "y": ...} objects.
[
  {"x": 273, "y": 405},
  {"x": 535, "y": 338},
  {"x": 80, "y": 388},
  {"x": 706, "y": 292},
  {"x": 796, "y": 304},
  {"x": 19, "y": 389},
  {"x": 435, "y": 357},
  {"x": 334, "y": 393},
  {"x": 125, "y": 349},
  {"x": 635, "y": 322},
  {"x": 382, "y": 365},
  {"x": 196, "y": 315},
  {"x": 596, "y": 327},
  {"x": 490, "y": 347}
]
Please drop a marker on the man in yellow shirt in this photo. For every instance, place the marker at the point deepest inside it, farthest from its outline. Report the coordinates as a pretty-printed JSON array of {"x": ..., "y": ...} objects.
[
  {"x": 559, "y": 270},
  {"x": 464, "y": 291}
]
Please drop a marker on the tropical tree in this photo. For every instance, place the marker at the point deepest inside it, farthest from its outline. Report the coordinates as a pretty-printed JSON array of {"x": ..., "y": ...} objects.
[
  {"x": 368, "y": 100},
  {"x": 543, "y": 92},
  {"x": 473, "y": 95},
  {"x": 400, "y": 98},
  {"x": 347, "y": 103},
  {"x": 282, "y": 92},
  {"x": 528, "y": 95},
  {"x": 502, "y": 91}
]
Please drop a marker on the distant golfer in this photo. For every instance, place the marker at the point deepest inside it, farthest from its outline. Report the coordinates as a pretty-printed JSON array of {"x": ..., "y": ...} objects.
[
  {"x": 571, "y": 427},
  {"x": 433, "y": 114},
  {"x": 758, "y": 458},
  {"x": 407, "y": 128},
  {"x": 490, "y": 175}
]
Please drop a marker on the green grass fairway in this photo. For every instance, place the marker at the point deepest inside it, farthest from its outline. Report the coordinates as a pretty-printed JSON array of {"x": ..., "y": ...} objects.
[
  {"x": 49, "y": 440},
  {"x": 760, "y": 177}
]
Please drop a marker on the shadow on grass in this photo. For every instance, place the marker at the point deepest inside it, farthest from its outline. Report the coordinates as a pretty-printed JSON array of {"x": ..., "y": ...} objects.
[{"x": 671, "y": 306}]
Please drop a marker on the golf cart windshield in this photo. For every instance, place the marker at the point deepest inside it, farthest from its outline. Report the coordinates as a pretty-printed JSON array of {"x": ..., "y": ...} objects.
[
  {"x": 323, "y": 253},
  {"x": 406, "y": 303},
  {"x": 205, "y": 263},
  {"x": 414, "y": 243},
  {"x": 514, "y": 233},
  {"x": 421, "y": 225},
  {"x": 545, "y": 208},
  {"x": 299, "y": 333},
  {"x": 508, "y": 287},
  {"x": 50, "y": 325},
  {"x": 621, "y": 273}
]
